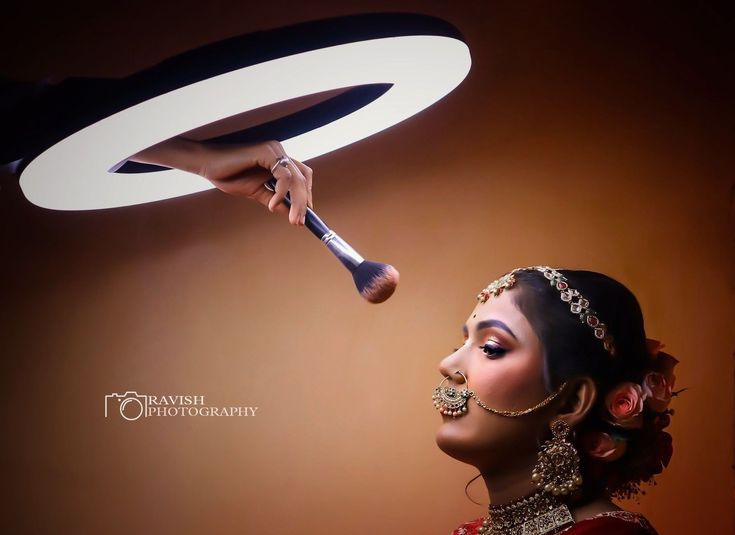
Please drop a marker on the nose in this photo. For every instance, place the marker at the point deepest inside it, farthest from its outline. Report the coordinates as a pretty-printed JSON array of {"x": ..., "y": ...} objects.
[{"x": 449, "y": 366}]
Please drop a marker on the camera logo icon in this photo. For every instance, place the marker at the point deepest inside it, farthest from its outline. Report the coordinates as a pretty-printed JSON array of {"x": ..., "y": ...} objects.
[{"x": 130, "y": 405}]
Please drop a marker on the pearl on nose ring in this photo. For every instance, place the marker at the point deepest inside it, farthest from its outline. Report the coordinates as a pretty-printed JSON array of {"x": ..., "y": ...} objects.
[{"x": 449, "y": 400}]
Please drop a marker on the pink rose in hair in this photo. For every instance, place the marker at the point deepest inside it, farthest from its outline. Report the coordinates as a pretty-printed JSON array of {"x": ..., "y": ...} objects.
[
  {"x": 602, "y": 446},
  {"x": 625, "y": 405}
]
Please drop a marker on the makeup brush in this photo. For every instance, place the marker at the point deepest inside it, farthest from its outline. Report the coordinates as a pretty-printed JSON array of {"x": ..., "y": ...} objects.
[{"x": 376, "y": 282}]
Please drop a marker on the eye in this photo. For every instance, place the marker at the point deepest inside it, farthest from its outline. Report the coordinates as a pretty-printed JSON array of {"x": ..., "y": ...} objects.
[{"x": 493, "y": 350}]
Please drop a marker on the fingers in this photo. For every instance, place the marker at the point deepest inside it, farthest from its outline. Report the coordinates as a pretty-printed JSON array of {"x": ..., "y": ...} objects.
[
  {"x": 243, "y": 170},
  {"x": 308, "y": 174},
  {"x": 283, "y": 177},
  {"x": 290, "y": 179},
  {"x": 299, "y": 195},
  {"x": 263, "y": 195},
  {"x": 267, "y": 153},
  {"x": 294, "y": 177}
]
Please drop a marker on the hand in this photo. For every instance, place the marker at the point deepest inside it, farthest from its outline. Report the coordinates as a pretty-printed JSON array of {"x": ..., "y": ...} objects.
[
  {"x": 244, "y": 169},
  {"x": 240, "y": 170}
]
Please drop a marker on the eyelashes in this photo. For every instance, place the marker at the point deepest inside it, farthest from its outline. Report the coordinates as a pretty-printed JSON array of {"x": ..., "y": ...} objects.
[{"x": 491, "y": 349}]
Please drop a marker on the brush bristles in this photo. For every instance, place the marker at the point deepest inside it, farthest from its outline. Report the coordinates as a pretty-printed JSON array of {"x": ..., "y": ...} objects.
[{"x": 376, "y": 282}]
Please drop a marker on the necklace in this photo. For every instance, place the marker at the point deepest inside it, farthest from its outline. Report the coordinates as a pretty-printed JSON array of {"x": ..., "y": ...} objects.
[{"x": 540, "y": 513}]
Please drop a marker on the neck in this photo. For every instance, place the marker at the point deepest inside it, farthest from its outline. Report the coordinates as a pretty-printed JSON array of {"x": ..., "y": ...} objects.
[
  {"x": 512, "y": 483},
  {"x": 509, "y": 513}
]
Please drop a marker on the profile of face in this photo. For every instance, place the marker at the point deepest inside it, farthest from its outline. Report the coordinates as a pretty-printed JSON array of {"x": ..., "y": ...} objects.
[{"x": 503, "y": 362}]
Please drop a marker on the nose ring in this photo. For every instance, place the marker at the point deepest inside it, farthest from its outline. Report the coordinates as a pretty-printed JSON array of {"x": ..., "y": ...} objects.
[{"x": 451, "y": 401}]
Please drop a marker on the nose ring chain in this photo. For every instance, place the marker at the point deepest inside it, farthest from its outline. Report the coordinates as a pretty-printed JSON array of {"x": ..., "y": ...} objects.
[{"x": 451, "y": 401}]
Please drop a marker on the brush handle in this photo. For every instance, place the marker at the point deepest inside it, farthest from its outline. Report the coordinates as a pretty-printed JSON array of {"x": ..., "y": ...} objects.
[{"x": 340, "y": 248}]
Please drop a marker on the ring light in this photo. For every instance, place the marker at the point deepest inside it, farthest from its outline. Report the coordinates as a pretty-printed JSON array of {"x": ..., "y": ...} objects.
[{"x": 410, "y": 62}]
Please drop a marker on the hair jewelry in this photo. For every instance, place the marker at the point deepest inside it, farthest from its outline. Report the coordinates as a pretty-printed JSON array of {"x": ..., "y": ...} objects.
[{"x": 578, "y": 304}]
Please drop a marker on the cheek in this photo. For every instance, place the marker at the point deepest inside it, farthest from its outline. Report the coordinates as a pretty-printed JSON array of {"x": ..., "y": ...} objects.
[{"x": 511, "y": 383}]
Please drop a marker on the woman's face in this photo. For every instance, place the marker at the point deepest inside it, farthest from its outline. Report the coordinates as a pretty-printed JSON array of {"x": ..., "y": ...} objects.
[{"x": 501, "y": 357}]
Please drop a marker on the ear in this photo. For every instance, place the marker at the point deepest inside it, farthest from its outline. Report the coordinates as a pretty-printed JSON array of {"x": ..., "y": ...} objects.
[{"x": 581, "y": 397}]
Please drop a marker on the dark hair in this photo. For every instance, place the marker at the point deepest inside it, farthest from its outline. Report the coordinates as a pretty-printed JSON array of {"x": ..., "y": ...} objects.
[{"x": 570, "y": 349}]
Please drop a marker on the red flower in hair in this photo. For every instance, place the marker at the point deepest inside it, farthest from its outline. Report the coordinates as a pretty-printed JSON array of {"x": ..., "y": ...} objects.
[
  {"x": 657, "y": 390},
  {"x": 661, "y": 420},
  {"x": 603, "y": 446},
  {"x": 664, "y": 448},
  {"x": 653, "y": 346},
  {"x": 657, "y": 456},
  {"x": 659, "y": 383}
]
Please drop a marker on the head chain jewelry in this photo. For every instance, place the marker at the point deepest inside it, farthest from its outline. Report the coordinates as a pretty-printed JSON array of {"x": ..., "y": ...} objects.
[
  {"x": 282, "y": 161},
  {"x": 578, "y": 304},
  {"x": 453, "y": 402}
]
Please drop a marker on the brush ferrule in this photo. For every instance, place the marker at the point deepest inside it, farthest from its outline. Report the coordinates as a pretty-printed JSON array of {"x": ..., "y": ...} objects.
[{"x": 342, "y": 250}]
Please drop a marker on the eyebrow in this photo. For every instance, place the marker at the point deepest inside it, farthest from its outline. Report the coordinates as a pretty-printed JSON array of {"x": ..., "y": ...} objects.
[{"x": 485, "y": 324}]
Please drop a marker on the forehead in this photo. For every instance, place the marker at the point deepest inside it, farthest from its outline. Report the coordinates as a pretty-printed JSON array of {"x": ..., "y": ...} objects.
[{"x": 500, "y": 308}]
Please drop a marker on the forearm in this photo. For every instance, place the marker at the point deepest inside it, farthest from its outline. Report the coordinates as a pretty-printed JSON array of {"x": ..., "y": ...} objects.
[{"x": 176, "y": 152}]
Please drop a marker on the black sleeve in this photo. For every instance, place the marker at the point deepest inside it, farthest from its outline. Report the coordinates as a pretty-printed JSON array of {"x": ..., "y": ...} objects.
[
  {"x": 35, "y": 115},
  {"x": 19, "y": 116}
]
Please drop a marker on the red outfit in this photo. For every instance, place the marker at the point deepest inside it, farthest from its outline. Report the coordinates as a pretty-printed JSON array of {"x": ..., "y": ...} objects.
[{"x": 608, "y": 523}]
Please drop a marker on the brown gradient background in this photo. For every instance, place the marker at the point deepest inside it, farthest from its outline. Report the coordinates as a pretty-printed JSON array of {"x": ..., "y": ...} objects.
[{"x": 586, "y": 136}]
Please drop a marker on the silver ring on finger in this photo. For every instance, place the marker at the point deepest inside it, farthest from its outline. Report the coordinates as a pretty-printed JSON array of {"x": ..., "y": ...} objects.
[{"x": 282, "y": 161}]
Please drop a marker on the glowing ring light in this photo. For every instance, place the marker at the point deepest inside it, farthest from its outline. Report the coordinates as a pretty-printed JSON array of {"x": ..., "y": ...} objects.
[{"x": 74, "y": 173}]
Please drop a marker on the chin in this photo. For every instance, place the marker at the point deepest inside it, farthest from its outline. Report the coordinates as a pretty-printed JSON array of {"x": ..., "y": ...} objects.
[{"x": 454, "y": 440}]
